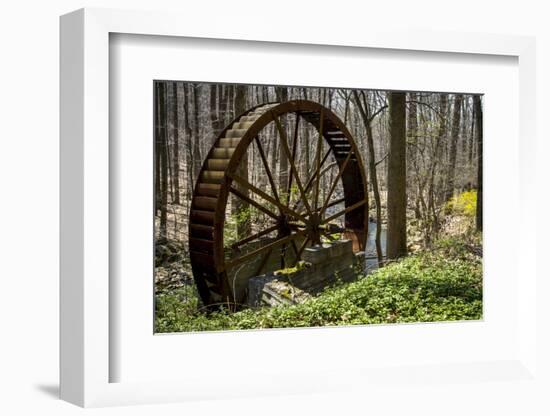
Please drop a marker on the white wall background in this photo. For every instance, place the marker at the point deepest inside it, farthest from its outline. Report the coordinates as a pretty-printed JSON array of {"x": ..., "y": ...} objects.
[{"x": 29, "y": 176}]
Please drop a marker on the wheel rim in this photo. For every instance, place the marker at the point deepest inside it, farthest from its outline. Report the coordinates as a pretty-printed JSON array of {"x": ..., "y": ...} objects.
[{"x": 297, "y": 223}]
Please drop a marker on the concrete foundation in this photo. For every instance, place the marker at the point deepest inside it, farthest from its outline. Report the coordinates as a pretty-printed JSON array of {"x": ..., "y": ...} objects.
[{"x": 322, "y": 266}]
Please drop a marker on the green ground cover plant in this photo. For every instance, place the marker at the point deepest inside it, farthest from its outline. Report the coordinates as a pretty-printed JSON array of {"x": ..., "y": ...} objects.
[{"x": 440, "y": 284}]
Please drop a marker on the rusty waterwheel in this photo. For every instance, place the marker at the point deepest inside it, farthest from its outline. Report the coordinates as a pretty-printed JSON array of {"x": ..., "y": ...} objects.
[{"x": 314, "y": 200}]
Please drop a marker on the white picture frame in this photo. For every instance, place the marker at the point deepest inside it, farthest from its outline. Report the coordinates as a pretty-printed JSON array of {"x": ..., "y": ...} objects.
[{"x": 86, "y": 356}]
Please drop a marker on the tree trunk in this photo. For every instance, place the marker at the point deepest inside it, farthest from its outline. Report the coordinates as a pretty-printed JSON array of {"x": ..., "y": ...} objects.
[
  {"x": 455, "y": 128},
  {"x": 306, "y": 142},
  {"x": 435, "y": 158},
  {"x": 412, "y": 139},
  {"x": 397, "y": 178},
  {"x": 229, "y": 108},
  {"x": 188, "y": 143},
  {"x": 176, "y": 152},
  {"x": 412, "y": 126},
  {"x": 479, "y": 129},
  {"x": 197, "y": 158},
  {"x": 282, "y": 96},
  {"x": 472, "y": 137},
  {"x": 365, "y": 116},
  {"x": 157, "y": 150},
  {"x": 216, "y": 119},
  {"x": 162, "y": 138},
  {"x": 239, "y": 207}
]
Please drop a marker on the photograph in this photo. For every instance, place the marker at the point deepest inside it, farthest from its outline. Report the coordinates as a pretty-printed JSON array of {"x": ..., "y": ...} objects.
[{"x": 297, "y": 206}]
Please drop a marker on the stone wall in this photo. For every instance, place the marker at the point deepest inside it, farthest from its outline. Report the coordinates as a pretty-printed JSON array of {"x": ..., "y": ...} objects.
[
  {"x": 239, "y": 276},
  {"x": 322, "y": 266}
]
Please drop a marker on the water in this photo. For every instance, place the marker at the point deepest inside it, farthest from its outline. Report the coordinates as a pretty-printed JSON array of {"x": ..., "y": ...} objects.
[{"x": 371, "y": 262}]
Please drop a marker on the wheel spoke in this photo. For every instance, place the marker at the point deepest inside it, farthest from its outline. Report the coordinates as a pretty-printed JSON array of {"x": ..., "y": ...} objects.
[
  {"x": 284, "y": 144},
  {"x": 335, "y": 202},
  {"x": 314, "y": 175},
  {"x": 254, "y": 236},
  {"x": 266, "y": 166},
  {"x": 333, "y": 187},
  {"x": 312, "y": 178},
  {"x": 301, "y": 250},
  {"x": 239, "y": 260},
  {"x": 252, "y": 202},
  {"x": 265, "y": 196},
  {"x": 345, "y": 211},
  {"x": 327, "y": 235},
  {"x": 294, "y": 145},
  {"x": 318, "y": 158},
  {"x": 329, "y": 167}
]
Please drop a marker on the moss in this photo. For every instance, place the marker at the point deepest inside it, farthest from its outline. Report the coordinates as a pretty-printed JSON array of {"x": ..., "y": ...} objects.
[{"x": 301, "y": 265}]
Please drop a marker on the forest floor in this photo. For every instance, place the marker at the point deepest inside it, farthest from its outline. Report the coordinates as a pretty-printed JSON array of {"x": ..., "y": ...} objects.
[{"x": 441, "y": 283}]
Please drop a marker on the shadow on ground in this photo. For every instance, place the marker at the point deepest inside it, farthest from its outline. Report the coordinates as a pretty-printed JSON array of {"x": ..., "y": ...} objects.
[{"x": 51, "y": 390}]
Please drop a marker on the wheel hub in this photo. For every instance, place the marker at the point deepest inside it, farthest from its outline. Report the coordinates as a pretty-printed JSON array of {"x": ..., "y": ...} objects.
[
  {"x": 284, "y": 226},
  {"x": 313, "y": 228}
]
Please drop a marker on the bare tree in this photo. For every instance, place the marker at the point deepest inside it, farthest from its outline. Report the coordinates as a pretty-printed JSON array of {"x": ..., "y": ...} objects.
[
  {"x": 197, "y": 158},
  {"x": 163, "y": 157},
  {"x": 239, "y": 207},
  {"x": 436, "y": 156},
  {"x": 397, "y": 178},
  {"x": 455, "y": 128},
  {"x": 188, "y": 140},
  {"x": 479, "y": 129},
  {"x": 175, "y": 154},
  {"x": 282, "y": 96},
  {"x": 364, "y": 108}
]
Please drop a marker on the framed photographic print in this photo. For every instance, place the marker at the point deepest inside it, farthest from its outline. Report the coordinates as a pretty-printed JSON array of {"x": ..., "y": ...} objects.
[{"x": 291, "y": 210}]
